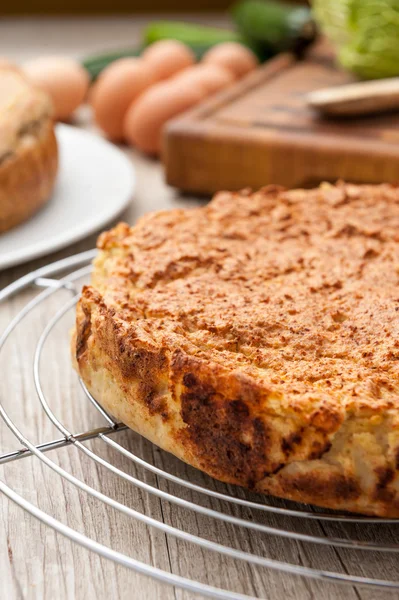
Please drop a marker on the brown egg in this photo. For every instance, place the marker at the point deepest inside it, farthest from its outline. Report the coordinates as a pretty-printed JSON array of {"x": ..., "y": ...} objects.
[
  {"x": 210, "y": 77},
  {"x": 8, "y": 64},
  {"x": 116, "y": 88},
  {"x": 64, "y": 79},
  {"x": 146, "y": 117},
  {"x": 233, "y": 56},
  {"x": 167, "y": 57}
]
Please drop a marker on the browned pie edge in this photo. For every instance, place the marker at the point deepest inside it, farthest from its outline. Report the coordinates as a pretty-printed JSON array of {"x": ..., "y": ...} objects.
[
  {"x": 202, "y": 413},
  {"x": 27, "y": 177}
]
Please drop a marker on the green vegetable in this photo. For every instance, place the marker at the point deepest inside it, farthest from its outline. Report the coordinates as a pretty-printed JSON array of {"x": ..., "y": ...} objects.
[
  {"x": 274, "y": 26},
  {"x": 266, "y": 27},
  {"x": 200, "y": 38},
  {"x": 189, "y": 33},
  {"x": 95, "y": 64},
  {"x": 365, "y": 33}
]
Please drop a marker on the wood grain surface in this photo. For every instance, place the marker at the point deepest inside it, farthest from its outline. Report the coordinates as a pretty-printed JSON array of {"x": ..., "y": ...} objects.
[
  {"x": 36, "y": 563},
  {"x": 262, "y": 131}
]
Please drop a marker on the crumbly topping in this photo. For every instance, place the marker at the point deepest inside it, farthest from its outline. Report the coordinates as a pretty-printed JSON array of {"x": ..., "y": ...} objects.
[{"x": 299, "y": 289}]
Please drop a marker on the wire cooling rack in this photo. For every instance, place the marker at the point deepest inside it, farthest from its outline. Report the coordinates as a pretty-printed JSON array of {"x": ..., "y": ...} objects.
[{"x": 47, "y": 284}]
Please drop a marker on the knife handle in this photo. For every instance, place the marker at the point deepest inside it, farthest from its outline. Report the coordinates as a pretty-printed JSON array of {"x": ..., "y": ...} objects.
[{"x": 365, "y": 97}]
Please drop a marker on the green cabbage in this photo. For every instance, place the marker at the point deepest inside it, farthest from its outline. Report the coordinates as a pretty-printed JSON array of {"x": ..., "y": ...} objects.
[{"x": 365, "y": 33}]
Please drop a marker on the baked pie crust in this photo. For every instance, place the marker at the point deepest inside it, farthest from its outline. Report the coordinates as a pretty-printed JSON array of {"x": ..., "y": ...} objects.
[{"x": 257, "y": 339}]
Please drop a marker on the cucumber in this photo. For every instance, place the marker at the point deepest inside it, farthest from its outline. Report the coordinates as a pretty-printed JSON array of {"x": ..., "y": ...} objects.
[
  {"x": 189, "y": 33},
  {"x": 200, "y": 38},
  {"x": 95, "y": 64},
  {"x": 266, "y": 27}
]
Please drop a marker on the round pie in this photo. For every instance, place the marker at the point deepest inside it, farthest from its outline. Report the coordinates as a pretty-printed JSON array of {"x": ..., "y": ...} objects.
[
  {"x": 257, "y": 339},
  {"x": 28, "y": 149}
]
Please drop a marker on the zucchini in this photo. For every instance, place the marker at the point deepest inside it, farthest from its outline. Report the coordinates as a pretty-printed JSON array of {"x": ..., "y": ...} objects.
[{"x": 274, "y": 26}]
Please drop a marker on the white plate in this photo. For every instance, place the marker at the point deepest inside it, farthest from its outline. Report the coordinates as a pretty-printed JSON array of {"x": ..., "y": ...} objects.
[{"x": 95, "y": 183}]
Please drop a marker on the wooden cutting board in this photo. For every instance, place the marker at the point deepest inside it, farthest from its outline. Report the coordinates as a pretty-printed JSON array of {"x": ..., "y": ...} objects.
[{"x": 261, "y": 131}]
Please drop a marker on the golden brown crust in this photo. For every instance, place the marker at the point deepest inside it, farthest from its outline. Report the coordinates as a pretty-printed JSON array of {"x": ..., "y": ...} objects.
[
  {"x": 28, "y": 150},
  {"x": 256, "y": 339}
]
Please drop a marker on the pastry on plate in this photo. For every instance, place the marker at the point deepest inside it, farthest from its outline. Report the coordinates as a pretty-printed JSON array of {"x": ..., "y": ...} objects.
[
  {"x": 28, "y": 149},
  {"x": 257, "y": 339}
]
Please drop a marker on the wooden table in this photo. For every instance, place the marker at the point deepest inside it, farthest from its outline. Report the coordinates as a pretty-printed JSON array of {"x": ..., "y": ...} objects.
[{"x": 35, "y": 563}]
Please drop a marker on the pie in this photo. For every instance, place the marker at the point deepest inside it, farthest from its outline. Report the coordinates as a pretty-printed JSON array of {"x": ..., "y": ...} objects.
[
  {"x": 257, "y": 339},
  {"x": 28, "y": 149}
]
